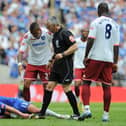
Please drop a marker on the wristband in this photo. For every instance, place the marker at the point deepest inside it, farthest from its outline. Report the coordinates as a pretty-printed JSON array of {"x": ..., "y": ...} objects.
[{"x": 19, "y": 64}]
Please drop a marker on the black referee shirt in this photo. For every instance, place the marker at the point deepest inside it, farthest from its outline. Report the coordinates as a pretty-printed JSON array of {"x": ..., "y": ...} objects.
[{"x": 62, "y": 40}]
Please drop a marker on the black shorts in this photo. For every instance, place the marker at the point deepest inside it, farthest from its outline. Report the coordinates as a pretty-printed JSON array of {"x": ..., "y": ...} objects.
[{"x": 62, "y": 72}]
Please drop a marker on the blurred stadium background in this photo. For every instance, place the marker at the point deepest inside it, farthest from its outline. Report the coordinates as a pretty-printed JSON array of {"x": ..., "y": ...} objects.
[{"x": 16, "y": 16}]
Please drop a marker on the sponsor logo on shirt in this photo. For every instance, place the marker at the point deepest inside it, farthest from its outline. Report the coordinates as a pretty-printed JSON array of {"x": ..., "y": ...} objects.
[{"x": 38, "y": 44}]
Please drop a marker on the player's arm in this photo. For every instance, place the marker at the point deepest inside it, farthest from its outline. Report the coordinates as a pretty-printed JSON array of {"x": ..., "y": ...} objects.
[
  {"x": 116, "y": 53},
  {"x": 89, "y": 45},
  {"x": 90, "y": 41},
  {"x": 70, "y": 50},
  {"x": 22, "y": 49},
  {"x": 116, "y": 50},
  {"x": 50, "y": 62},
  {"x": 88, "y": 48},
  {"x": 70, "y": 42},
  {"x": 15, "y": 111},
  {"x": 19, "y": 58}
]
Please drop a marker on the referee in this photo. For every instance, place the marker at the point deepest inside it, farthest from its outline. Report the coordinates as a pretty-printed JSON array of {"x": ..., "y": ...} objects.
[{"x": 64, "y": 47}]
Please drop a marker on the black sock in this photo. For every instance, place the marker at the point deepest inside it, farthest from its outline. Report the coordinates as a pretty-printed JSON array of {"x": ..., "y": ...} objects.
[
  {"x": 73, "y": 102},
  {"x": 26, "y": 93},
  {"x": 46, "y": 101},
  {"x": 77, "y": 91}
]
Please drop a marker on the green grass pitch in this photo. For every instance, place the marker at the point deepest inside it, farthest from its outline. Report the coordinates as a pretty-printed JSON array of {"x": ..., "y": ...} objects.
[{"x": 117, "y": 117}]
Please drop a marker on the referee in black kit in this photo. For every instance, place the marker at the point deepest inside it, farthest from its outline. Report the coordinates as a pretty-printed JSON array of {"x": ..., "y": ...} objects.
[{"x": 64, "y": 47}]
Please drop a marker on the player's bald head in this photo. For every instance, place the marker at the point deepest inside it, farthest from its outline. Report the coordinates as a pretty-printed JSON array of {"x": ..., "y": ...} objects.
[
  {"x": 53, "y": 24},
  {"x": 103, "y": 8}
]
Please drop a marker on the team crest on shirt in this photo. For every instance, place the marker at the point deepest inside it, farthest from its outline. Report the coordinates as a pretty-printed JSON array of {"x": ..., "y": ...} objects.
[
  {"x": 43, "y": 37},
  {"x": 71, "y": 38}
]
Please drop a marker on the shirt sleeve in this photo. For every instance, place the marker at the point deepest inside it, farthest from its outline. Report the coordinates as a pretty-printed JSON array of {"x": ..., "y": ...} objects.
[
  {"x": 92, "y": 31},
  {"x": 69, "y": 38},
  {"x": 117, "y": 36},
  {"x": 49, "y": 36},
  {"x": 24, "y": 44}
]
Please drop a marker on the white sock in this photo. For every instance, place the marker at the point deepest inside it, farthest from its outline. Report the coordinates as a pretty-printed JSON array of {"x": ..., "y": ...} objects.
[
  {"x": 87, "y": 108},
  {"x": 106, "y": 113},
  {"x": 51, "y": 113},
  {"x": 78, "y": 99}
]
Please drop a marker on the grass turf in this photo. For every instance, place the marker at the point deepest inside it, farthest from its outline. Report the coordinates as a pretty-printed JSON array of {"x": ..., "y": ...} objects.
[{"x": 117, "y": 117}]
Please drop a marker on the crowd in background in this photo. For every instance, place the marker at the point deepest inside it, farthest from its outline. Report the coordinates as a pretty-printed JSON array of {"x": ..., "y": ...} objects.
[{"x": 16, "y": 16}]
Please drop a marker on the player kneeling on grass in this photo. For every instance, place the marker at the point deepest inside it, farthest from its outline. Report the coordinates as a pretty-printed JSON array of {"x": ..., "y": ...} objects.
[{"x": 15, "y": 107}]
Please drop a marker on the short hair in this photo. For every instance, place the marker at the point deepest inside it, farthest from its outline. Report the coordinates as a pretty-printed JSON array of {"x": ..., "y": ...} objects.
[
  {"x": 103, "y": 8},
  {"x": 33, "y": 26},
  {"x": 53, "y": 20}
]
